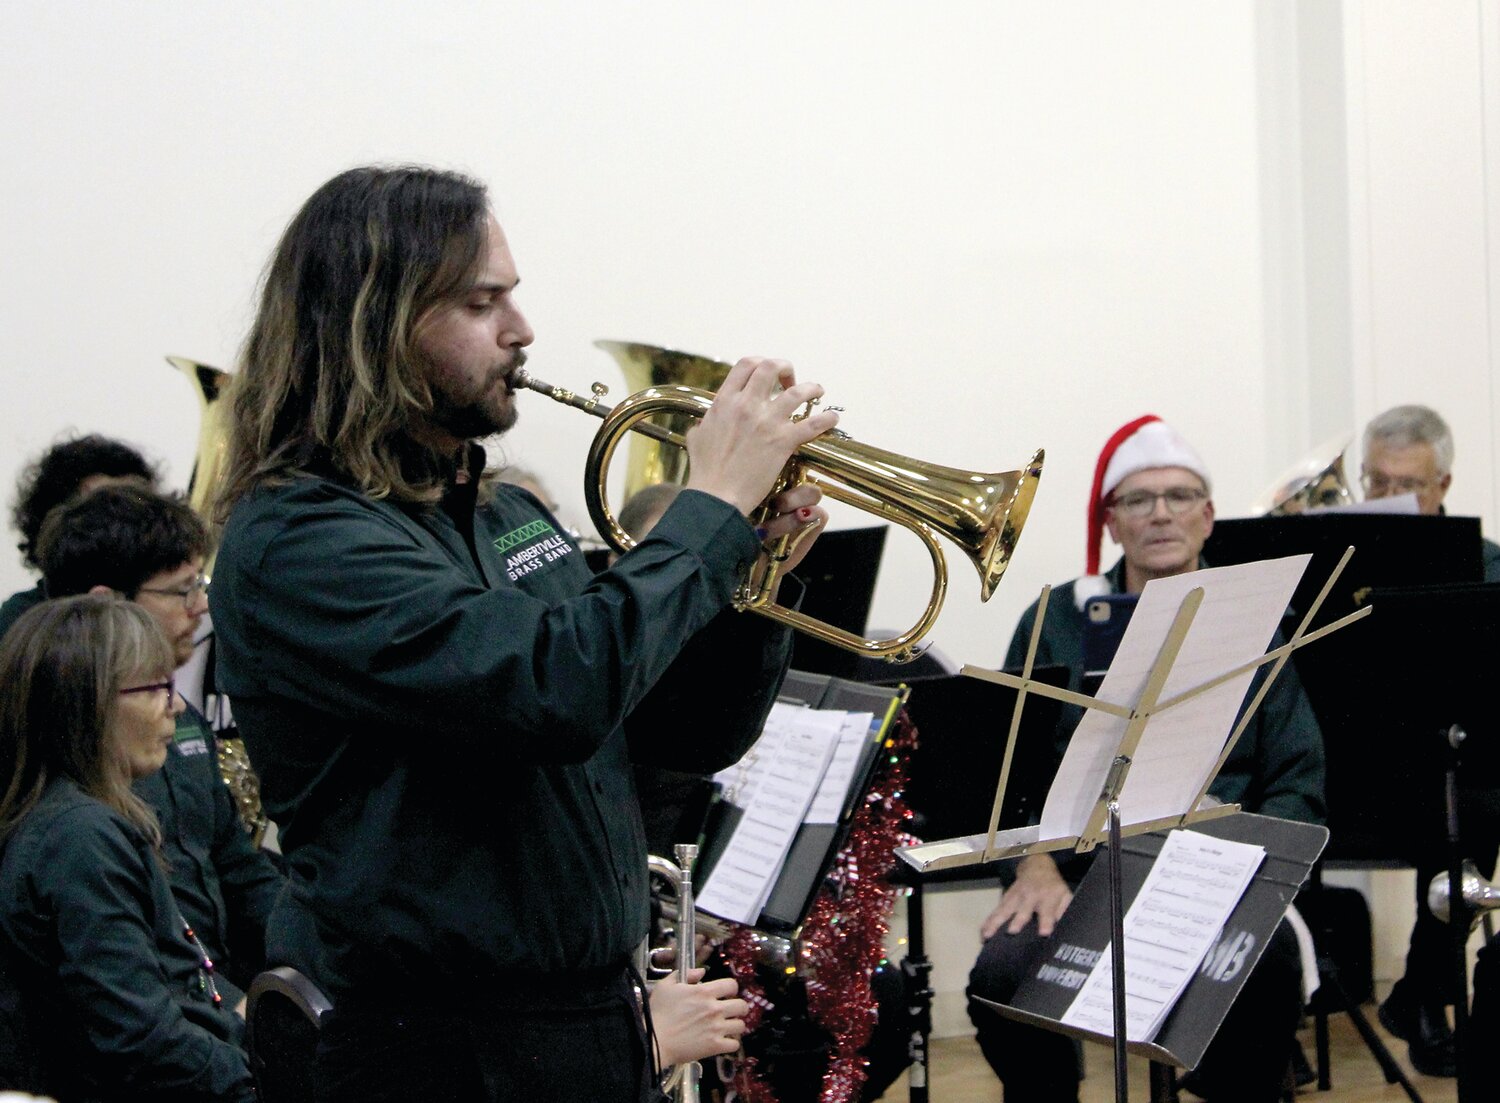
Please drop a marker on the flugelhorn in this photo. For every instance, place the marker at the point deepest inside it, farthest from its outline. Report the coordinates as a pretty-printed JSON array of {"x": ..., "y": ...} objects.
[
  {"x": 1479, "y": 895},
  {"x": 981, "y": 513}
]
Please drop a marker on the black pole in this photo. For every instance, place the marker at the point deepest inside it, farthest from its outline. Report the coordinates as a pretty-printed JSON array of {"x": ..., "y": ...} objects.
[
  {"x": 1458, "y": 910},
  {"x": 1117, "y": 949},
  {"x": 916, "y": 973}
]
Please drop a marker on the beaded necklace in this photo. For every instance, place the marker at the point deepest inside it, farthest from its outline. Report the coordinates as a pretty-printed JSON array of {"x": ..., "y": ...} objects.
[{"x": 206, "y": 973}]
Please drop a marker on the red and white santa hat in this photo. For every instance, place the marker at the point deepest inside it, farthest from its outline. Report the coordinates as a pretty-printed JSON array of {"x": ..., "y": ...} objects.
[{"x": 1138, "y": 445}]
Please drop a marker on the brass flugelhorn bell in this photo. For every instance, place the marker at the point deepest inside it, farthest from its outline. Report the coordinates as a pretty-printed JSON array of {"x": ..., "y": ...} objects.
[
  {"x": 981, "y": 513},
  {"x": 1479, "y": 895}
]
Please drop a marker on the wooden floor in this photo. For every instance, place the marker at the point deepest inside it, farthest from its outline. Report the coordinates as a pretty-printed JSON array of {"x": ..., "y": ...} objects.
[{"x": 959, "y": 1074}]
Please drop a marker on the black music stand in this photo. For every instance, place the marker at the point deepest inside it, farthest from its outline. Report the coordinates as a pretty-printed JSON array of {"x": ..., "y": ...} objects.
[
  {"x": 1367, "y": 757},
  {"x": 839, "y": 572},
  {"x": 962, "y": 726},
  {"x": 1432, "y": 758},
  {"x": 815, "y": 845},
  {"x": 1104, "y": 821},
  {"x": 1381, "y": 734},
  {"x": 1291, "y": 849}
]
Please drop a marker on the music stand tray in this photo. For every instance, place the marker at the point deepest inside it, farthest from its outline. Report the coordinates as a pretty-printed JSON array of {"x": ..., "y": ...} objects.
[{"x": 1291, "y": 849}]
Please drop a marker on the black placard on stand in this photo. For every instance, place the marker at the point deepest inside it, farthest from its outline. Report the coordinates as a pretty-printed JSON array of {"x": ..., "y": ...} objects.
[
  {"x": 1386, "y": 686},
  {"x": 1084, "y": 931},
  {"x": 962, "y": 725},
  {"x": 839, "y": 572}
]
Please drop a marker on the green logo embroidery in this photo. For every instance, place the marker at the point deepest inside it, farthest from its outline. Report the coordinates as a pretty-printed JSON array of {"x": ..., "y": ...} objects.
[{"x": 521, "y": 535}]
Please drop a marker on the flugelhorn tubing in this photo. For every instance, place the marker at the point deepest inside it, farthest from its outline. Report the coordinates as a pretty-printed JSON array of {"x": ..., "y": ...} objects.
[{"x": 981, "y": 513}]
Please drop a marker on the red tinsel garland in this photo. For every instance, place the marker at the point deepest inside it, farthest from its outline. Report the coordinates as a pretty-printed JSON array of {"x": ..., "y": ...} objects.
[{"x": 843, "y": 939}]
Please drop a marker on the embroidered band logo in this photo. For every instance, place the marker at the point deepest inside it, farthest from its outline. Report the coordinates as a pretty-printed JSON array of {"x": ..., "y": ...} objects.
[
  {"x": 521, "y": 535},
  {"x": 189, "y": 737},
  {"x": 550, "y": 547}
]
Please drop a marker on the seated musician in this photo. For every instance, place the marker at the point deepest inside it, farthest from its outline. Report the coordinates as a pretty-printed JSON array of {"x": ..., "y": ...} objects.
[
  {"x": 149, "y": 549},
  {"x": 68, "y": 467},
  {"x": 120, "y": 998},
  {"x": 1153, "y": 494},
  {"x": 1409, "y": 450}
]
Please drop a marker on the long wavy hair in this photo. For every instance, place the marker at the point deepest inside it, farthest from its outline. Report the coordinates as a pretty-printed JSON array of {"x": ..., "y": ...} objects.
[
  {"x": 328, "y": 379},
  {"x": 62, "y": 666}
]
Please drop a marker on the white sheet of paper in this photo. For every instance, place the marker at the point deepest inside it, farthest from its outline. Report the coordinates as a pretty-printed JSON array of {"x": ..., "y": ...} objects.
[
  {"x": 856, "y": 729},
  {"x": 1242, "y": 607},
  {"x": 1400, "y": 503},
  {"x": 739, "y": 781},
  {"x": 742, "y": 879},
  {"x": 1183, "y": 905}
]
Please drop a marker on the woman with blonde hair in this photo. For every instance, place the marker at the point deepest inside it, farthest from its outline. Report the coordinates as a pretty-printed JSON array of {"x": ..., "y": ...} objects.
[{"x": 120, "y": 1001}]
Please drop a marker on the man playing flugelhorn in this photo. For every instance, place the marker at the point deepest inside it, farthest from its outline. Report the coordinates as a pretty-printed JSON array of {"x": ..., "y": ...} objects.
[{"x": 443, "y": 703}]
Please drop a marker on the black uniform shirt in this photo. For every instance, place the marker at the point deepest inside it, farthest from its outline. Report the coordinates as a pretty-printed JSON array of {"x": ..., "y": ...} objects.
[
  {"x": 443, "y": 722},
  {"x": 91, "y": 932},
  {"x": 224, "y": 885}
]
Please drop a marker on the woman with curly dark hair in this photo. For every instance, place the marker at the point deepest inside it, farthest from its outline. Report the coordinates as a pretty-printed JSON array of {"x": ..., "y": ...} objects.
[{"x": 71, "y": 466}]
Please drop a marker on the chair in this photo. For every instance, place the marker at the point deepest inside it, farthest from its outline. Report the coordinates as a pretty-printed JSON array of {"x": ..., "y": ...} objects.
[{"x": 283, "y": 1014}]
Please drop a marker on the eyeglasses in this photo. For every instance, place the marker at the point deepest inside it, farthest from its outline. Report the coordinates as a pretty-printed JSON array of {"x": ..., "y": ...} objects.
[
  {"x": 1380, "y": 486},
  {"x": 188, "y": 594},
  {"x": 1142, "y": 503},
  {"x": 170, "y": 685}
]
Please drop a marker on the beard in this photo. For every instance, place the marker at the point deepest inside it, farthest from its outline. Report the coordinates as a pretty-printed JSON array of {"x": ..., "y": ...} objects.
[{"x": 484, "y": 412}]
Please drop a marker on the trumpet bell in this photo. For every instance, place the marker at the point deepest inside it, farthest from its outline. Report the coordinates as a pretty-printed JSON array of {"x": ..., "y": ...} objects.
[{"x": 1479, "y": 895}]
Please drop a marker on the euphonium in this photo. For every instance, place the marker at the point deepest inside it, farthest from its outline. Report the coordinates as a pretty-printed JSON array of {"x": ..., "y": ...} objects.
[
  {"x": 208, "y": 467},
  {"x": 213, "y": 431},
  {"x": 1317, "y": 481},
  {"x": 981, "y": 513},
  {"x": 1479, "y": 895}
]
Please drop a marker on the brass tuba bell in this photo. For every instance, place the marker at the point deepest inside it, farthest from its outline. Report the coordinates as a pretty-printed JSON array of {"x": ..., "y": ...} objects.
[
  {"x": 1316, "y": 481},
  {"x": 208, "y": 471},
  {"x": 982, "y": 513},
  {"x": 213, "y": 431}
]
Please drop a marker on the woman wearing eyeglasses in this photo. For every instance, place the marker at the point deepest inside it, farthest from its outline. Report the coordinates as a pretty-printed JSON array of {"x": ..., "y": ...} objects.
[{"x": 119, "y": 997}]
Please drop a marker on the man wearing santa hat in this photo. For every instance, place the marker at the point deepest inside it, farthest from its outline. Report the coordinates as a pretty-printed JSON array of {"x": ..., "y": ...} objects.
[{"x": 1153, "y": 493}]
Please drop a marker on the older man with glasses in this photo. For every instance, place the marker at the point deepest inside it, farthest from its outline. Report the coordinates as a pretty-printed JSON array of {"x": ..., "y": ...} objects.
[
  {"x": 150, "y": 549},
  {"x": 1153, "y": 494},
  {"x": 1409, "y": 450}
]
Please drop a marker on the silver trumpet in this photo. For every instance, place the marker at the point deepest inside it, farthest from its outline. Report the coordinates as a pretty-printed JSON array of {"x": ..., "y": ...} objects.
[
  {"x": 1479, "y": 895},
  {"x": 682, "y": 1083}
]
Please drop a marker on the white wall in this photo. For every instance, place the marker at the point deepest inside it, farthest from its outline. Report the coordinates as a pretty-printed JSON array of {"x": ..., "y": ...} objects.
[{"x": 986, "y": 227}]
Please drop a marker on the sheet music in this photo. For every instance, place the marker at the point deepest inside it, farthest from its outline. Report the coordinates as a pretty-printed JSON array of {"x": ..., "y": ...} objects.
[
  {"x": 1400, "y": 503},
  {"x": 738, "y": 782},
  {"x": 1187, "y": 898},
  {"x": 785, "y": 783},
  {"x": 856, "y": 729},
  {"x": 1242, "y": 607}
]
